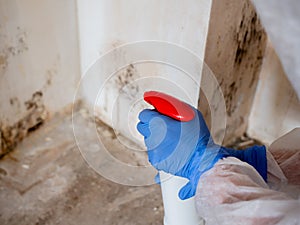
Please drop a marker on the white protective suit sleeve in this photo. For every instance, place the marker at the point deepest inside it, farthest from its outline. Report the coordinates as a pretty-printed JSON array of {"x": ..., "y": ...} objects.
[{"x": 233, "y": 192}]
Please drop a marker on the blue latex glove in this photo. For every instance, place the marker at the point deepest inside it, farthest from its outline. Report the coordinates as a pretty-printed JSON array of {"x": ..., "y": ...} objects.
[{"x": 186, "y": 149}]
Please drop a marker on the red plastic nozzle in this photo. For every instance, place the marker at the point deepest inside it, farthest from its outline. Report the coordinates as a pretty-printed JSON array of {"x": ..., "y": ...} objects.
[{"x": 169, "y": 106}]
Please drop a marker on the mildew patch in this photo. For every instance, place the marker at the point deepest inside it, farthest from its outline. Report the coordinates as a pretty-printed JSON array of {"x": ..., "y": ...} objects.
[
  {"x": 248, "y": 33},
  {"x": 3, "y": 61},
  {"x": 249, "y": 40},
  {"x": 35, "y": 116},
  {"x": 14, "y": 101},
  {"x": 15, "y": 104},
  {"x": 51, "y": 73},
  {"x": 125, "y": 82},
  {"x": 49, "y": 78},
  {"x": 234, "y": 52},
  {"x": 12, "y": 46},
  {"x": 229, "y": 96}
]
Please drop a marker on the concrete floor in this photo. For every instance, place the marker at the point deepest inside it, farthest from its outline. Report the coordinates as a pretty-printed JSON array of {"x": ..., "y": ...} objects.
[{"x": 45, "y": 180}]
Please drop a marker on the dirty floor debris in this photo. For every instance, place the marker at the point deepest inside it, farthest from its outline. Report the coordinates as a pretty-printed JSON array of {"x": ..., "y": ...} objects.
[{"x": 45, "y": 180}]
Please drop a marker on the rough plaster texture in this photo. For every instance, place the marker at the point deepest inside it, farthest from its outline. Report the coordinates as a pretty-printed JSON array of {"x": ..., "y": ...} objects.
[
  {"x": 234, "y": 51},
  {"x": 38, "y": 53}
]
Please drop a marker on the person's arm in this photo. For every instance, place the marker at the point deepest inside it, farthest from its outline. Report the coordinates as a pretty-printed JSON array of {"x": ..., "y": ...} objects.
[
  {"x": 186, "y": 149},
  {"x": 230, "y": 184},
  {"x": 286, "y": 152},
  {"x": 233, "y": 191}
]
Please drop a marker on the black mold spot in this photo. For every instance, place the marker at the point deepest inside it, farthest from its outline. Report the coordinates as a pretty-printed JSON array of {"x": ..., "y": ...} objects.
[
  {"x": 50, "y": 73},
  {"x": 249, "y": 33},
  {"x": 124, "y": 81},
  {"x": 230, "y": 94},
  {"x": 34, "y": 101},
  {"x": 35, "y": 116},
  {"x": 231, "y": 86},
  {"x": 36, "y": 126},
  {"x": 3, "y": 172},
  {"x": 14, "y": 102}
]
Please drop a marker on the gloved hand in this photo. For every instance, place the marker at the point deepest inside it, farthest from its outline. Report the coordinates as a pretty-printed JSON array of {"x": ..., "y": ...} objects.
[
  {"x": 186, "y": 149},
  {"x": 232, "y": 192}
]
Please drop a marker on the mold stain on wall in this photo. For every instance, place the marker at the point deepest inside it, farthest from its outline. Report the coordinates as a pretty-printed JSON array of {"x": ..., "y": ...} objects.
[
  {"x": 235, "y": 49},
  {"x": 11, "y": 46},
  {"x": 125, "y": 82},
  {"x": 250, "y": 41},
  {"x": 3, "y": 61},
  {"x": 35, "y": 116}
]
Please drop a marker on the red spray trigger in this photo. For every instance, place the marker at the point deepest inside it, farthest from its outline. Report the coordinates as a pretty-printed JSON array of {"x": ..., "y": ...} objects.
[{"x": 169, "y": 106}]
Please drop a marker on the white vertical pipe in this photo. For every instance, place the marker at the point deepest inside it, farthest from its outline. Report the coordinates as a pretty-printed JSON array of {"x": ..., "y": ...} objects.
[{"x": 177, "y": 211}]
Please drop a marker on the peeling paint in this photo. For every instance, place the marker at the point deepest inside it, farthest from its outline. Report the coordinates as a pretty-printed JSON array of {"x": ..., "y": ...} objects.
[{"x": 35, "y": 116}]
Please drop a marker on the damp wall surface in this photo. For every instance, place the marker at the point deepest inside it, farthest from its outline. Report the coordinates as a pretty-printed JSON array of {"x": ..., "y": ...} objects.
[
  {"x": 227, "y": 34},
  {"x": 46, "y": 47},
  {"x": 234, "y": 52},
  {"x": 276, "y": 107},
  {"x": 260, "y": 100},
  {"x": 39, "y": 63},
  {"x": 106, "y": 25}
]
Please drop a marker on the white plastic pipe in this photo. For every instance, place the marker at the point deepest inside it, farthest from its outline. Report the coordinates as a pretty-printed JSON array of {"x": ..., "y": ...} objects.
[{"x": 177, "y": 211}]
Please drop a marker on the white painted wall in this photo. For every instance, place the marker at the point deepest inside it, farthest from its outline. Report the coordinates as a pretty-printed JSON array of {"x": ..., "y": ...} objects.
[
  {"x": 105, "y": 25},
  {"x": 38, "y": 52},
  {"x": 40, "y": 46},
  {"x": 281, "y": 20},
  {"x": 276, "y": 108}
]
